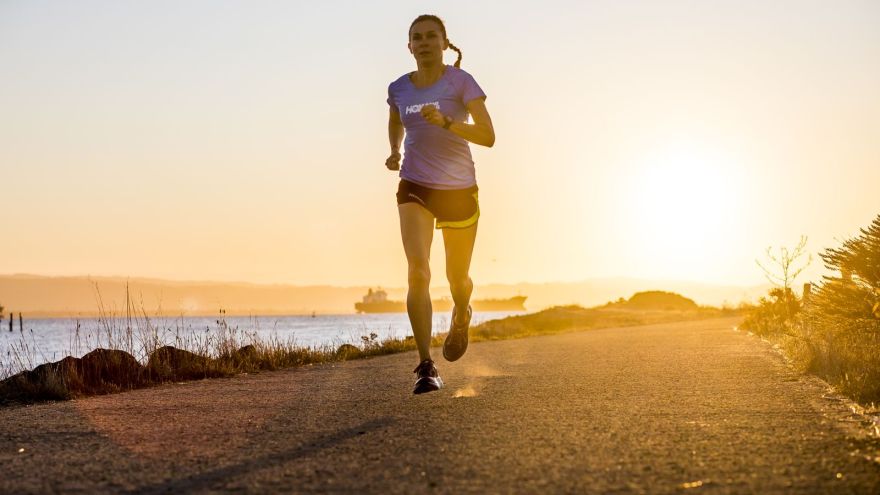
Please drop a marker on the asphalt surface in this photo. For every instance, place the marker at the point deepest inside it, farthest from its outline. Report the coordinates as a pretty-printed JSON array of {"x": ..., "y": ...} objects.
[{"x": 689, "y": 407}]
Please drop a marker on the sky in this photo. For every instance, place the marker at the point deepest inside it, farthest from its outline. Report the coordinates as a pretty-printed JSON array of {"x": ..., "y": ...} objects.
[{"x": 246, "y": 141}]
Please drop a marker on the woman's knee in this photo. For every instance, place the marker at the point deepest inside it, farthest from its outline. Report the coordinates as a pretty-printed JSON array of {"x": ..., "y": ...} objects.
[{"x": 419, "y": 273}]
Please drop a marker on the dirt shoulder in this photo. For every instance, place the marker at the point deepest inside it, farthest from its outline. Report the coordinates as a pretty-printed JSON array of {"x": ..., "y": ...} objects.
[{"x": 652, "y": 409}]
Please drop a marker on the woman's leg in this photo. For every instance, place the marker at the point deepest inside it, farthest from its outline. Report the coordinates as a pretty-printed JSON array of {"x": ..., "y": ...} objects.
[
  {"x": 417, "y": 231},
  {"x": 459, "y": 248}
]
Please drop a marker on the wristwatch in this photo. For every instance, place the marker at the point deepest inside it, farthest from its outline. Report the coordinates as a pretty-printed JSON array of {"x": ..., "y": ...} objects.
[{"x": 447, "y": 121}]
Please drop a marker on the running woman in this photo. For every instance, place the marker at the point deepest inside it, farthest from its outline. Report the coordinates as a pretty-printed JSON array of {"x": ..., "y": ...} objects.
[{"x": 438, "y": 187}]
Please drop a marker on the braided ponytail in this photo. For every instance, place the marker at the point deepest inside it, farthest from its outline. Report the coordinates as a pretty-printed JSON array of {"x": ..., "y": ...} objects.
[
  {"x": 457, "y": 61},
  {"x": 429, "y": 17}
]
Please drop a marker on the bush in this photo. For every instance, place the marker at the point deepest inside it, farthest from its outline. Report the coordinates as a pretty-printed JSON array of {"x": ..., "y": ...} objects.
[
  {"x": 774, "y": 315},
  {"x": 835, "y": 331},
  {"x": 841, "y": 328}
]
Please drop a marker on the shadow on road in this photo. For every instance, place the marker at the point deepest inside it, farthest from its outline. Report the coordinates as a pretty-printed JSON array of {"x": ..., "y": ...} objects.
[{"x": 238, "y": 471}]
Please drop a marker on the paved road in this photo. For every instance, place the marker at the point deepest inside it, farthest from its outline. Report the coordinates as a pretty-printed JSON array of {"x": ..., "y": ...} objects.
[{"x": 691, "y": 407}]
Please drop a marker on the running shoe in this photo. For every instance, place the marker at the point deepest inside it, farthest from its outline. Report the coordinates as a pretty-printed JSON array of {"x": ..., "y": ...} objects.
[
  {"x": 428, "y": 380},
  {"x": 456, "y": 342}
]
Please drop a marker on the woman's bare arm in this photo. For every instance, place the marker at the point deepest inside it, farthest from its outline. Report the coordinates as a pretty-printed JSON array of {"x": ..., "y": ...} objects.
[
  {"x": 480, "y": 132},
  {"x": 395, "y": 137}
]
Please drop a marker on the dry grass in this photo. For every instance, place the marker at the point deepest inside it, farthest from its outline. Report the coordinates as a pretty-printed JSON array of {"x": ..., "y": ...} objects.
[
  {"x": 835, "y": 338},
  {"x": 843, "y": 352},
  {"x": 572, "y": 318},
  {"x": 228, "y": 351}
]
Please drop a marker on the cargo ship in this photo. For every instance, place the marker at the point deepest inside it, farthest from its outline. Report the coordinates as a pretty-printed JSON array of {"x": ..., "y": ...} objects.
[{"x": 376, "y": 301}]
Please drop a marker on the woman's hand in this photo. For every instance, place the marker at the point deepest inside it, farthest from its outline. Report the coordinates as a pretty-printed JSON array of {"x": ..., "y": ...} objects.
[
  {"x": 433, "y": 115},
  {"x": 393, "y": 161}
]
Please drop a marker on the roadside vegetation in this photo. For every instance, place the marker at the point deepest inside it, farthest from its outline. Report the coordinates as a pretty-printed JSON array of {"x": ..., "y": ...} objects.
[
  {"x": 131, "y": 352},
  {"x": 833, "y": 328}
]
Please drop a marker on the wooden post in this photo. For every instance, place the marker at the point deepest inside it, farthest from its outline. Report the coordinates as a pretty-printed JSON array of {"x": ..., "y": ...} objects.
[
  {"x": 20, "y": 324},
  {"x": 806, "y": 321},
  {"x": 10, "y": 321}
]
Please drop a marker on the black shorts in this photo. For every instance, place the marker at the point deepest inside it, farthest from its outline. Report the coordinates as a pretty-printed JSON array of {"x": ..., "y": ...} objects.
[{"x": 453, "y": 208}]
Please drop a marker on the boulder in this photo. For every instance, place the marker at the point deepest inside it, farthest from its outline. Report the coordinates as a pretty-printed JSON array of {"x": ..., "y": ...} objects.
[
  {"x": 347, "y": 351},
  {"x": 245, "y": 355},
  {"x": 171, "y": 363},
  {"x": 98, "y": 372},
  {"x": 50, "y": 381},
  {"x": 110, "y": 367}
]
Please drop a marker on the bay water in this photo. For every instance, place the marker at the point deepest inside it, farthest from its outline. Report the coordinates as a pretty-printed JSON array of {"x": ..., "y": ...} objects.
[{"x": 43, "y": 340}]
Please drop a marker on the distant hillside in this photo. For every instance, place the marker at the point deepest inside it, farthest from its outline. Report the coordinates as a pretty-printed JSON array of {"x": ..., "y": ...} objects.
[
  {"x": 36, "y": 295},
  {"x": 57, "y": 296},
  {"x": 657, "y": 301}
]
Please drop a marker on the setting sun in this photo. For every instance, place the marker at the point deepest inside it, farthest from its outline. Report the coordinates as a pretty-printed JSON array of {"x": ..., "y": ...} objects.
[
  {"x": 675, "y": 145},
  {"x": 680, "y": 204}
]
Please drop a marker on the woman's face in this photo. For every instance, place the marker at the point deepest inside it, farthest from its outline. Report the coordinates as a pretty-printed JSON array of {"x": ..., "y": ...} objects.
[{"x": 426, "y": 42}]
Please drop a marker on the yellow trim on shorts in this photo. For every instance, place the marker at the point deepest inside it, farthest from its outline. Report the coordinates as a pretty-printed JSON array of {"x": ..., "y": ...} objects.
[{"x": 462, "y": 224}]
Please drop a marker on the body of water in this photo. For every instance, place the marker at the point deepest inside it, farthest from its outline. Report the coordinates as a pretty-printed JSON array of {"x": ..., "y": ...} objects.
[{"x": 44, "y": 340}]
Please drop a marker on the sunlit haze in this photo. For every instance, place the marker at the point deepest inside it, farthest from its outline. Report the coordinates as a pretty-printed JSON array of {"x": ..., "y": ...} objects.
[{"x": 247, "y": 140}]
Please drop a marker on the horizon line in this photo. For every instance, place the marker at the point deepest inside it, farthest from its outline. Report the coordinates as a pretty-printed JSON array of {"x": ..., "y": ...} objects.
[{"x": 355, "y": 286}]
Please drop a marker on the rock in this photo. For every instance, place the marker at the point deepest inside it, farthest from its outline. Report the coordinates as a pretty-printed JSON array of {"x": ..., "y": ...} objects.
[
  {"x": 50, "y": 381},
  {"x": 171, "y": 363},
  {"x": 98, "y": 372},
  {"x": 103, "y": 367},
  {"x": 64, "y": 371},
  {"x": 347, "y": 351},
  {"x": 245, "y": 355}
]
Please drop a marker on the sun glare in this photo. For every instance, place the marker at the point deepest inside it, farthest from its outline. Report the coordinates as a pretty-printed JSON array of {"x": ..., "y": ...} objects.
[{"x": 680, "y": 207}]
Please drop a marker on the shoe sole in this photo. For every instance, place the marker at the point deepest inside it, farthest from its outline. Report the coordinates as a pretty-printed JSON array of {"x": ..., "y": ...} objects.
[
  {"x": 446, "y": 355},
  {"x": 449, "y": 357}
]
